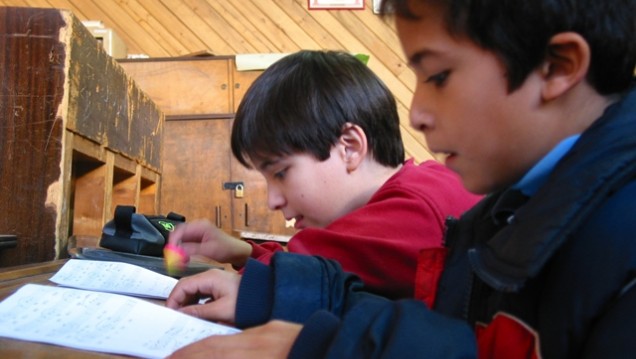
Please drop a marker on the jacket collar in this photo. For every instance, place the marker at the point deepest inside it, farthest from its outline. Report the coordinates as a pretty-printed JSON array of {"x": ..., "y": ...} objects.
[{"x": 578, "y": 185}]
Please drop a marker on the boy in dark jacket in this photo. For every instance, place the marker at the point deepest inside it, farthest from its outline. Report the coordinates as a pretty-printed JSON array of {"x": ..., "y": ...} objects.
[{"x": 532, "y": 101}]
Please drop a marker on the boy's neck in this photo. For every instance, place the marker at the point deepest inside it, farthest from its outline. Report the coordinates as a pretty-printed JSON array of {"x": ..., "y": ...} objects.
[
  {"x": 582, "y": 108},
  {"x": 370, "y": 178}
]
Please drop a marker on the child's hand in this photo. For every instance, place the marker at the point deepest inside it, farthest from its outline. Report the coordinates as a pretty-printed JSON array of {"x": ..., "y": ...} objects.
[
  {"x": 272, "y": 340},
  {"x": 218, "y": 285},
  {"x": 204, "y": 238}
]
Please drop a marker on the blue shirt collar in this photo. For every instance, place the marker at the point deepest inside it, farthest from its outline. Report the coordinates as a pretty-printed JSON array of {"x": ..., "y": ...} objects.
[{"x": 539, "y": 173}]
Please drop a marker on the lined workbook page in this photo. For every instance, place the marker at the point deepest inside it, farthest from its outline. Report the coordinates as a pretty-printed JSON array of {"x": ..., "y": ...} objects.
[
  {"x": 114, "y": 277},
  {"x": 98, "y": 321}
]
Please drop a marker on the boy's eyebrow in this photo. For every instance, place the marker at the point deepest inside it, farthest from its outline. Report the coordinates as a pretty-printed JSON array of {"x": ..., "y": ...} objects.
[
  {"x": 267, "y": 163},
  {"x": 417, "y": 57}
]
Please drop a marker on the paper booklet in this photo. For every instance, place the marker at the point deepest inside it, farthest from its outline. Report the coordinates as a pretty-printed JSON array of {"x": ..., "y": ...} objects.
[
  {"x": 100, "y": 321},
  {"x": 114, "y": 277}
]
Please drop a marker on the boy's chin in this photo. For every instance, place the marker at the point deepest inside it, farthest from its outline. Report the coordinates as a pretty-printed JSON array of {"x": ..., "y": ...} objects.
[{"x": 476, "y": 185}]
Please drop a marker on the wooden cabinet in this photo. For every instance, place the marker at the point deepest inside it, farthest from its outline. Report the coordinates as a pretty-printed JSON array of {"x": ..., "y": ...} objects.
[
  {"x": 77, "y": 136},
  {"x": 199, "y": 96},
  {"x": 195, "y": 86}
]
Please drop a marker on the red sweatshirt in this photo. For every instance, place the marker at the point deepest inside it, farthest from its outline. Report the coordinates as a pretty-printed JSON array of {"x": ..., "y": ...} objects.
[{"x": 381, "y": 241}]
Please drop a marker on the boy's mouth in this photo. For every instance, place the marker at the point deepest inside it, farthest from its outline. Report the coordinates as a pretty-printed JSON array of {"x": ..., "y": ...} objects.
[
  {"x": 447, "y": 158},
  {"x": 298, "y": 222}
]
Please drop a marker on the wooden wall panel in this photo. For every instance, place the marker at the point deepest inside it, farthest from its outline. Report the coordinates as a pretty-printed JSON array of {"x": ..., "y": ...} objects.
[{"x": 164, "y": 28}]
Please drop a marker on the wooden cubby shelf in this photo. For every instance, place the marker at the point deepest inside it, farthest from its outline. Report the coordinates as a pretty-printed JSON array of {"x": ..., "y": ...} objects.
[{"x": 76, "y": 140}]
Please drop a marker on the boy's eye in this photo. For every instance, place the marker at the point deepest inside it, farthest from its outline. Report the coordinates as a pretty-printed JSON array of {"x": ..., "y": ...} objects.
[
  {"x": 438, "y": 79},
  {"x": 280, "y": 174}
]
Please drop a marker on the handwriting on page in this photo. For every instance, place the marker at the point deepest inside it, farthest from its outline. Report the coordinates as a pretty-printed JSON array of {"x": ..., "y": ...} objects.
[
  {"x": 114, "y": 277},
  {"x": 100, "y": 321}
]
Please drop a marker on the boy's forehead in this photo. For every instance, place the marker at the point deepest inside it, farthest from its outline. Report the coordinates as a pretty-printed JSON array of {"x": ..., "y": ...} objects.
[
  {"x": 424, "y": 35},
  {"x": 262, "y": 161}
]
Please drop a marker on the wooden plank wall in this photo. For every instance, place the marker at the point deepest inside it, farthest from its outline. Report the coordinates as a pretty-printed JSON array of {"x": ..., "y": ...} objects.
[{"x": 166, "y": 28}]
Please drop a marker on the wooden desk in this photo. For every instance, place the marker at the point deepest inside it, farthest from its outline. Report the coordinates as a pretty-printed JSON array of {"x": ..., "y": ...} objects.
[
  {"x": 15, "y": 277},
  {"x": 12, "y": 278}
]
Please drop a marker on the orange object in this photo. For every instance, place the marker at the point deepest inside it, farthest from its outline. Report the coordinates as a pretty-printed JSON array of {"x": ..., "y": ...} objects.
[{"x": 176, "y": 259}]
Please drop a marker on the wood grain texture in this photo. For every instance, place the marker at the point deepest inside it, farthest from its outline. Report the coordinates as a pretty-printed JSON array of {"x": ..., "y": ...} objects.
[
  {"x": 30, "y": 131},
  {"x": 170, "y": 28},
  {"x": 104, "y": 106},
  {"x": 196, "y": 86},
  {"x": 196, "y": 154},
  {"x": 72, "y": 124}
]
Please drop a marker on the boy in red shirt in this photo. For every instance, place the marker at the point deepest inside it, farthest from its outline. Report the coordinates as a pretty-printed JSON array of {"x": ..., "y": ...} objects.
[{"x": 324, "y": 132}]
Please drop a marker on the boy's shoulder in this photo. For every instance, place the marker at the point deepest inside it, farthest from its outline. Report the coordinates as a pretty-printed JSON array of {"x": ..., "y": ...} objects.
[
  {"x": 427, "y": 173},
  {"x": 585, "y": 187},
  {"x": 432, "y": 184}
]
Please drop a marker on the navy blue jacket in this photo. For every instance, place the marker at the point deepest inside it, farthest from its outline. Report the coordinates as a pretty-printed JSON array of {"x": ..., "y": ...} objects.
[{"x": 558, "y": 281}]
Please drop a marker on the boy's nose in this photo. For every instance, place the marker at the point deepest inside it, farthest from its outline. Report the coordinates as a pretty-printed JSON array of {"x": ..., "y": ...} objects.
[
  {"x": 420, "y": 119},
  {"x": 275, "y": 198},
  {"x": 420, "y": 115}
]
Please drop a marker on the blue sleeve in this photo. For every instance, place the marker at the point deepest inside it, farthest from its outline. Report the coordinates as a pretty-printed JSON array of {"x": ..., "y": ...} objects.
[
  {"x": 316, "y": 336},
  {"x": 292, "y": 288},
  {"x": 255, "y": 296},
  {"x": 378, "y": 328},
  {"x": 340, "y": 321}
]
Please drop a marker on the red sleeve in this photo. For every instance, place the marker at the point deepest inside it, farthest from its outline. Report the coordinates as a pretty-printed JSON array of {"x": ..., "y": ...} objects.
[{"x": 263, "y": 252}]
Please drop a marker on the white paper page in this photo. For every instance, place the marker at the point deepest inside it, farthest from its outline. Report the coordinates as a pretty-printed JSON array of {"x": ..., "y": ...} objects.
[
  {"x": 103, "y": 322},
  {"x": 114, "y": 277}
]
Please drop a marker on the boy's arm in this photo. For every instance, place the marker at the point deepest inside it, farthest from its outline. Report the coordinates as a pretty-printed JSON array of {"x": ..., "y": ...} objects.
[
  {"x": 292, "y": 288},
  {"x": 316, "y": 292},
  {"x": 380, "y": 328}
]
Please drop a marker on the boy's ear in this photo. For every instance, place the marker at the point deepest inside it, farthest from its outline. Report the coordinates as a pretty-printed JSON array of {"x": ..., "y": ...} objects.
[
  {"x": 353, "y": 143},
  {"x": 567, "y": 63}
]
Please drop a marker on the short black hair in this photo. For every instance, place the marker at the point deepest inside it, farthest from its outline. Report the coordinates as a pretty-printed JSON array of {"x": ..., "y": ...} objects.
[
  {"x": 518, "y": 31},
  {"x": 301, "y": 103}
]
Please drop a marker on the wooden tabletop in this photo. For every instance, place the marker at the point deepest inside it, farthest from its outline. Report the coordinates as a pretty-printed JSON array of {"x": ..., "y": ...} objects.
[{"x": 11, "y": 279}]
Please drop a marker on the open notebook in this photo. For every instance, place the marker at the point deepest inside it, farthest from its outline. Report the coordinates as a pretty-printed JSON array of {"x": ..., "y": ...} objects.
[{"x": 99, "y": 319}]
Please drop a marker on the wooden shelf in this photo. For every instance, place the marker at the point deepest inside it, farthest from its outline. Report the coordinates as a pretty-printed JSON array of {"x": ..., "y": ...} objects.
[{"x": 77, "y": 137}]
